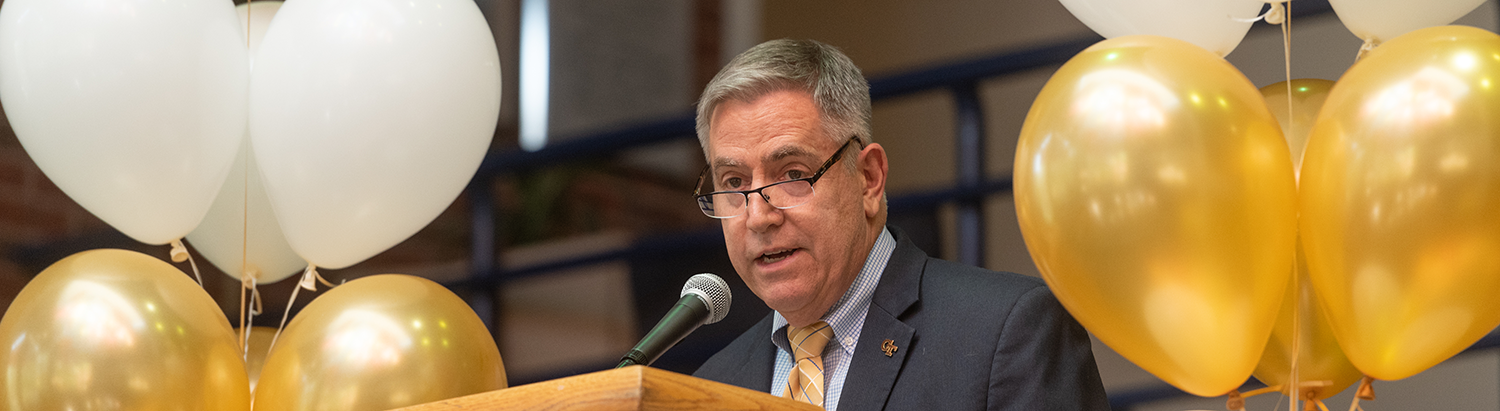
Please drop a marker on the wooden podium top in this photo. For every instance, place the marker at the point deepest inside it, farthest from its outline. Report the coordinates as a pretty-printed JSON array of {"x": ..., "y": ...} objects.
[{"x": 630, "y": 388}]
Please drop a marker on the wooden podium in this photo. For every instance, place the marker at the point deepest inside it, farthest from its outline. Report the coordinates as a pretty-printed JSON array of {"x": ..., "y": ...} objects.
[{"x": 630, "y": 388}]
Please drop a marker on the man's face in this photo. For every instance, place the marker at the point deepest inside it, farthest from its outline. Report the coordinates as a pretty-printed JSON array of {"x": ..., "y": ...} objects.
[{"x": 799, "y": 260}]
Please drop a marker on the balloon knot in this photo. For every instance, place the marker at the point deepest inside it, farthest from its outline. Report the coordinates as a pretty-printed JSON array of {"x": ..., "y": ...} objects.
[
  {"x": 179, "y": 252},
  {"x": 310, "y": 278},
  {"x": 1365, "y": 392},
  {"x": 1370, "y": 44},
  {"x": 1275, "y": 15},
  {"x": 248, "y": 281},
  {"x": 1235, "y": 402},
  {"x": 1366, "y": 389}
]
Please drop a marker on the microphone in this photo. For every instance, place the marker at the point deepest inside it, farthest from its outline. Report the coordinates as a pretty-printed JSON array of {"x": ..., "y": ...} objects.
[{"x": 705, "y": 300}]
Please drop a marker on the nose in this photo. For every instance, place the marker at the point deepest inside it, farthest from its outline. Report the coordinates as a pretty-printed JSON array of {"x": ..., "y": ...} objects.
[{"x": 760, "y": 215}]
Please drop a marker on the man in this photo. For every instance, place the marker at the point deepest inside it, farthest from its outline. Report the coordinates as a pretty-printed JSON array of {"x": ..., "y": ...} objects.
[{"x": 863, "y": 319}]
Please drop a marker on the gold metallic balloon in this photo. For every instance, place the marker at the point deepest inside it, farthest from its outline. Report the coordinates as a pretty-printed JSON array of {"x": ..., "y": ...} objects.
[
  {"x": 376, "y": 343},
  {"x": 255, "y": 353},
  {"x": 1307, "y": 96},
  {"x": 1401, "y": 200},
  {"x": 1302, "y": 335},
  {"x": 1155, "y": 193},
  {"x": 118, "y": 330}
]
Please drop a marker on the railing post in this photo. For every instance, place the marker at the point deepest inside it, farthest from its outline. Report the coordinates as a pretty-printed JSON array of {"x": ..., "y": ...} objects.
[
  {"x": 970, "y": 174},
  {"x": 486, "y": 301}
]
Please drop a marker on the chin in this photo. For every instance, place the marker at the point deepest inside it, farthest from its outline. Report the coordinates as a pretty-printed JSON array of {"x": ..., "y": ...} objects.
[{"x": 784, "y": 297}]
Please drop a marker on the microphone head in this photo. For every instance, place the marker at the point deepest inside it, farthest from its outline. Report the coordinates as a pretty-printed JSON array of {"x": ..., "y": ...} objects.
[{"x": 713, "y": 291}]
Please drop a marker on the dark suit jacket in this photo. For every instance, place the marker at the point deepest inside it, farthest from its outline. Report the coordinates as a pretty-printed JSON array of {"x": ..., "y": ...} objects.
[{"x": 966, "y": 338}]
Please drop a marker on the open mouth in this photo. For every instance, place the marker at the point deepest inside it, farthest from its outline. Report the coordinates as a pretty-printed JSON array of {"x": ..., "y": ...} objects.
[{"x": 773, "y": 257}]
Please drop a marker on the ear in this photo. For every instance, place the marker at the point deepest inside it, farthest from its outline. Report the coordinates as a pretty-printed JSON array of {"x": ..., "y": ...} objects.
[{"x": 873, "y": 167}]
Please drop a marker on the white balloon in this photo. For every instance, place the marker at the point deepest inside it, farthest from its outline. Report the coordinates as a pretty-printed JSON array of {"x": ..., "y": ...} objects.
[
  {"x": 1216, "y": 25},
  {"x": 369, "y": 117},
  {"x": 134, "y": 108},
  {"x": 1379, "y": 21},
  {"x": 240, "y": 234}
]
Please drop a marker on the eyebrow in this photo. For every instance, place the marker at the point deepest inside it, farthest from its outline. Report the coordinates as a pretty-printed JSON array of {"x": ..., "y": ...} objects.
[
  {"x": 722, "y": 162},
  {"x": 787, "y": 151},
  {"x": 779, "y": 154}
]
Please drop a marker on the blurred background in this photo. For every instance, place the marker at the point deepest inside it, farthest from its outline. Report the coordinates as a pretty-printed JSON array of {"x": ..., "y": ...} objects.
[{"x": 579, "y": 230}]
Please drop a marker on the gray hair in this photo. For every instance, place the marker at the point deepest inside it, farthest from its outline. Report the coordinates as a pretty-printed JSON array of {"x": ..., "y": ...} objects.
[{"x": 838, "y": 89}]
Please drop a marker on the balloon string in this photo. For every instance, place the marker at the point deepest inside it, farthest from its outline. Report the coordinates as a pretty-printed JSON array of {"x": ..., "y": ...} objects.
[
  {"x": 1286, "y": 49},
  {"x": 1366, "y": 392},
  {"x": 244, "y": 331},
  {"x": 1284, "y": 15},
  {"x": 249, "y": 10},
  {"x": 255, "y": 310},
  {"x": 311, "y": 278},
  {"x": 247, "y": 277},
  {"x": 256, "y": 307},
  {"x": 244, "y": 335},
  {"x": 248, "y": 283},
  {"x": 1236, "y": 400},
  {"x": 1273, "y": 16},
  {"x": 179, "y": 253},
  {"x": 1263, "y": 390},
  {"x": 248, "y": 330},
  {"x": 194, "y": 264},
  {"x": 312, "y": 271}
]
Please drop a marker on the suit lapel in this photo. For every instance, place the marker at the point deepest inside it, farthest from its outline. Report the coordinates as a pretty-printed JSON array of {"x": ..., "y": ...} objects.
[
  {"x": 874, "y": 371},
  {"x": 755, "y": 367}
]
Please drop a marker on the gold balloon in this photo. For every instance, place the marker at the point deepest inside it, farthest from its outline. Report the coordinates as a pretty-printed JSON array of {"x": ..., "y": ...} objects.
[
  {"x": 1302, "y": 335},
  {"x": 1400, "y": 190},
  {"x": 255, "y": 353},
  {"x": 376, "y": 343},
  {"x": 1307, "y": 96},
  {"x": 118, "y": 330},
  {"x": 1155, "y": 193}
]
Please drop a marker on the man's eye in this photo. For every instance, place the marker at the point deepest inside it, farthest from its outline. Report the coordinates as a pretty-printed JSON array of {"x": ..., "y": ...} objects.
[
  {"x": 733, "y": 182},
  {"x": 794, "y": 174}
]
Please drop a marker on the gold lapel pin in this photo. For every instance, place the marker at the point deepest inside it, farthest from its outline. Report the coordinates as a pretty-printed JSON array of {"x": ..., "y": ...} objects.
[{"x": 889, "y": 346}]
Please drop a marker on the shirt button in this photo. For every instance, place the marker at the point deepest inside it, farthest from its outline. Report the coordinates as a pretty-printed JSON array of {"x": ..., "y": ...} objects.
[{"x": 848, "y": 340}]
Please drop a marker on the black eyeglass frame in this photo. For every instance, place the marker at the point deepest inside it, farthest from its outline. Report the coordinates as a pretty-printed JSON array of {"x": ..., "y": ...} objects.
[{"x": 810, "y": 181}]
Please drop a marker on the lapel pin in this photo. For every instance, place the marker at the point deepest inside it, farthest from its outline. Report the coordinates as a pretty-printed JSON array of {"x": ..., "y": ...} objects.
[{"x": 889, "y": 346}]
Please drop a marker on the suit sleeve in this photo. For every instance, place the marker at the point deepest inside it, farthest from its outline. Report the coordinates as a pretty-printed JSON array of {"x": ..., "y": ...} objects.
[{"x": 1043, "y": 360}]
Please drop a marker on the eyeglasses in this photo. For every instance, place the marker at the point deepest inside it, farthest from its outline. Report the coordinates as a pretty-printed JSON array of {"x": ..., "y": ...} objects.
[{"x": 781, "y": 194}]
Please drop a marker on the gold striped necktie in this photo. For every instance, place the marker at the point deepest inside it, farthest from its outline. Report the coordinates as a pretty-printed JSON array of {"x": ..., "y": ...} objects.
[{"x": 805, "y": 383}]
